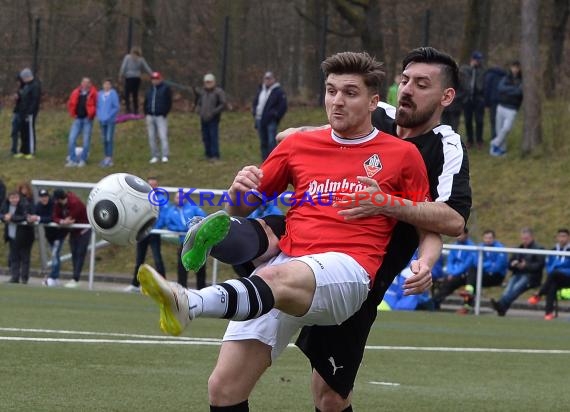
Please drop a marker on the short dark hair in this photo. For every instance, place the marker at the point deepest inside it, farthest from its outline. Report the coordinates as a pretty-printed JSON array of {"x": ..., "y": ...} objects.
[
  {"x": 564, "y": 230},
  {"x": 59, "y": 194},
  {"x": 430, "y": 55},
  {"x": 371, "y": 70},
  {"x": 108, "y": 79},
  {"x": 489, "y": 231}
]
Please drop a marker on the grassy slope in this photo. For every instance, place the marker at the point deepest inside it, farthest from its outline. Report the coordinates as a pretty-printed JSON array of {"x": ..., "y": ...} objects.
[{"x": 508, "y": 193}]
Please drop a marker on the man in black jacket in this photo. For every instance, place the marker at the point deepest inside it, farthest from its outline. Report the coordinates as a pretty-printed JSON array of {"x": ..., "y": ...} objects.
[
  {"x": 526, "y": 273},
  {"x": 28, "y": 108},
  {"x": 43, "y": 212},
  {"x": 157, "y": 104},
  {"x": 19, "y": 237}
]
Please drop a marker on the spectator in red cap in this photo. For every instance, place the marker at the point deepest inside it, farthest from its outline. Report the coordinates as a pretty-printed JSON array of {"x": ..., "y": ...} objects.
[
  {"x": 157, "y": 104},
  {"x": 131, "y": 70}
]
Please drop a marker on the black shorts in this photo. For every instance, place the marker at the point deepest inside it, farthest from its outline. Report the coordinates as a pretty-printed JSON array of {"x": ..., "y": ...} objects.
[{"x": 336, "y": 352}]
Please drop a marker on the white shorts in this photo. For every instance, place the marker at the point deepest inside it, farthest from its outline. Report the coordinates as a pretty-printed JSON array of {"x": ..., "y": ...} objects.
[{"x": 342, "y": 287}]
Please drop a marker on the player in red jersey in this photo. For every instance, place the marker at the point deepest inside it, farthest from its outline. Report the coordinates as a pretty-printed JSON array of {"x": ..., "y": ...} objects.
[{"x": 323, "y": 274}]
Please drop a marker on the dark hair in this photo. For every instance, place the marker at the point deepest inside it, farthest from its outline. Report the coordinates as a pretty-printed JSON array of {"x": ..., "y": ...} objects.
[
  {"x": 564, "y": 230},
  {"x": 429, "y": 55},
  {"x": 489, "y": 231},
  {"x": 361, "y": 63},
  {"x": 108, "y": 79}
]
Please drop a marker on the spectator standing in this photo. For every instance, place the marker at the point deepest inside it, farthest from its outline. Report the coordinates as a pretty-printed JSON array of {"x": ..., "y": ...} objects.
[
  {"x": 107, "y": 110},
  {"x": 558, "y": 274},
  {"x": 69, "y": 209},
  {"x": 82, "y": 107},
  {"x": 43, "y": 213},
  {"x": 18, "y": 235},
  {"x": 460, "y": 264},
  {"x": 472, "y": 76},
  {"x": 510, "y": 90},
  {"x": 493, "y": 76},
  {"x": 526, "y": 271},
  {"x": 131, "y": 70},
  {"x": 178, "y": 217},
  {"x": 16, "y": 121},
  {"x": 28, "y": 108},
  {"x": 210, "y": 104},
  {"x": 494, "y": 271},
  {"x": 25, "y": 190},
  {"x": 269, "y": 107},
  {"x": 157, "y": 105},
  {"x": 153, "y": 240}
]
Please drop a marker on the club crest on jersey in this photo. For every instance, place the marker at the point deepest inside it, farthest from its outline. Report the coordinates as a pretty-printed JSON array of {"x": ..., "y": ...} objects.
[{"x": 373, "y": 165}]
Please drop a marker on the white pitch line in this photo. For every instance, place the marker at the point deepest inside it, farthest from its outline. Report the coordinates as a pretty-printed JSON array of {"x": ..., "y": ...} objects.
[
  {"x": 384, "y": 383},
  {"x": 182, "y": 340},
  {"x": 125, "y": 335},
  {"x": 122, "y": 341}
]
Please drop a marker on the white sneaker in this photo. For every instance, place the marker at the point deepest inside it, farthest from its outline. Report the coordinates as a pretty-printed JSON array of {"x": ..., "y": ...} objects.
[
  {"x": 70, "y": 163},
  {"x": 72, "y": 284},
  {"x": 164, "y": 159},
  {"x": 153, "y": 160},
  {"x": 81, "y": 163},
  {"x": 172, "y": 300},
  {"x": 132, "y": 289},
  {"x": 52, "y": 283}
]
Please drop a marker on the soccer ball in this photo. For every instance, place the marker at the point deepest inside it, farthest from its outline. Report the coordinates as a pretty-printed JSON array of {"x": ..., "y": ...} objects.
[{"x": 119, "y": 209}]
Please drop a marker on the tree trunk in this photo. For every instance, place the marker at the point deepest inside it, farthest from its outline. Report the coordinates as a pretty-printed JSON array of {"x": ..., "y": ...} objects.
[
  {"x": 149, "y": 30},
  {"x": 557, "y": 34},
  {"x": 109, "y": 39},
  {"x": 530, "y": 64},
  {"x": 476, "y": 31}
]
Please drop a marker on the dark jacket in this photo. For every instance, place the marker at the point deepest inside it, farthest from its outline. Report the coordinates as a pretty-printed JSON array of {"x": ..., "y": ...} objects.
[
  {"x": 29, "y": 98},
  {"x": 475, "y": 93},
  {"x": 534, "y": 264},
  {"x": 74, "y": 208},
  {"x": 158, "y": 100},
  {"x": 275, "y": 107},
  {"x": 45, "y": 212},
  {"x": 210, "y": 103},
  {"x": 510, "y": 92},
  {"x": 491, "y": 89},
  {"x": 24, "y": 233}
]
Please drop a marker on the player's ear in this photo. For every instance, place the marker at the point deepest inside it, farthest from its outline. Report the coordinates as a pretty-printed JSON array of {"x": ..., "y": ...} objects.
[
  {"x": 447, "y": 96},
  {"x": 374, "y": 99}
]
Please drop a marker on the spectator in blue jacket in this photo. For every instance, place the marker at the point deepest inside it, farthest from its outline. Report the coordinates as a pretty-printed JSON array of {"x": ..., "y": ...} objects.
[
  {"x": 157, "y": 105},
  {"x": 153, "y": 240},
  {"x": 268, "y": 109},
  {"x": 510, "y": 90},
  {"x": 526, "y": 273},
  {"x": 558, "y": 274},
  {"x": 178, "y": 217},
  {"x": 107, "y": 109},
  {"x": 460, "y": 264},
  {"x": 494, "y": 270},
  {"x": 493, "y": 76}
]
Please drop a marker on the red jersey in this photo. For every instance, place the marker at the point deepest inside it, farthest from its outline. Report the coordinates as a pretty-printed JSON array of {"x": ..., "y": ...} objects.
[{"x": 323, "y": 163}]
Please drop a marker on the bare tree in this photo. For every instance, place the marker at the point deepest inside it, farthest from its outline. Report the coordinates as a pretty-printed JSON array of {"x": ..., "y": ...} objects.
[
  {"x": 557, "y": 34},
  {"x": 476, "y": 32},
  {"x": 530, "y": 53}
]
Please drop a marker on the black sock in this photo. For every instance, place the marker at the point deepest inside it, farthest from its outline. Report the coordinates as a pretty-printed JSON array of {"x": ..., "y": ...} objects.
[
  {"x": 245, "y": 241},
  {"x": 240, "y": 407}
]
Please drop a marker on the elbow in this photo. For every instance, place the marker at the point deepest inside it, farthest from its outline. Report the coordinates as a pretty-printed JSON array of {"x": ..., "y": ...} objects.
[{"x": 454, "y": 226}]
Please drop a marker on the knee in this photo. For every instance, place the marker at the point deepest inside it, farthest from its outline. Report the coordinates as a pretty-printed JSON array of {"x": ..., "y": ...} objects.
[
  {"x": 327, "y": 400},
  {"x": 220, "y": 390}
]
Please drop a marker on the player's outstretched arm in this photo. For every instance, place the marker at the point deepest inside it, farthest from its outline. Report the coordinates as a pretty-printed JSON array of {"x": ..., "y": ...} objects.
[{"x": 437, "y": 217}]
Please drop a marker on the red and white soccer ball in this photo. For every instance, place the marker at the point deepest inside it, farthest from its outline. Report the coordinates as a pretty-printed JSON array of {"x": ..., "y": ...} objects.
[{"x": 119, "y": 210}]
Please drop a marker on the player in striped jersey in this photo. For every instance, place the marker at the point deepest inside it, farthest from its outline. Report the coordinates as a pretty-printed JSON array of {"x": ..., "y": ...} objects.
[{"x": 424, "y": 93}]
